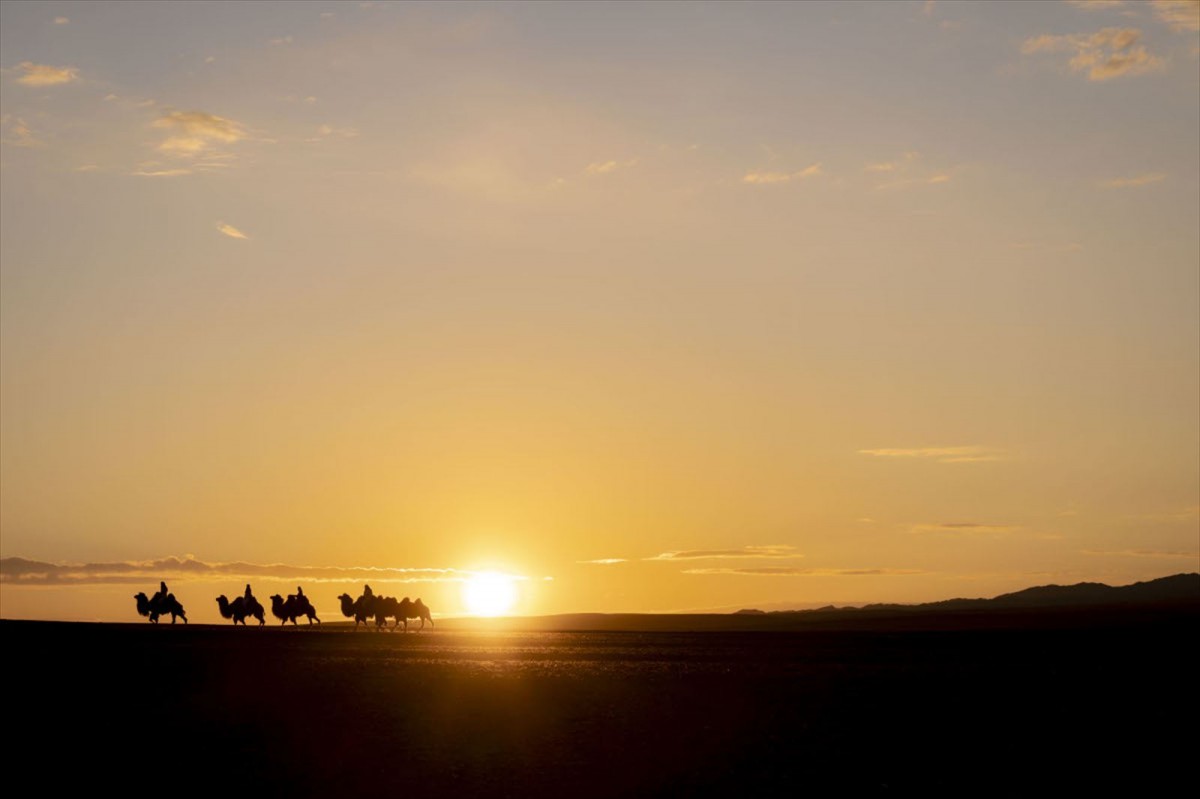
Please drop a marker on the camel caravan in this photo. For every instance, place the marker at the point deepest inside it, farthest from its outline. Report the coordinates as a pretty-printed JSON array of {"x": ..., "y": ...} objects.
[
  {"x": 296, "y": 606},
  {"x": 382, "y": 608}
]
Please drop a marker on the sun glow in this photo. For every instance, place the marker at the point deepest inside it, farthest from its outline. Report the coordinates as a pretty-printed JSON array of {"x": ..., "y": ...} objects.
[{"x": 490, "y": 594}]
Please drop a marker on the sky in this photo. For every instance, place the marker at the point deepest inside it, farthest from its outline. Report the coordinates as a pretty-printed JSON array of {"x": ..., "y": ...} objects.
[{"x": 653, "y": 307}]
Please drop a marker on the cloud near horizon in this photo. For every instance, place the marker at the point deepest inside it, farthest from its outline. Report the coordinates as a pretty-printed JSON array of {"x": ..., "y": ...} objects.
[
  {"x": 786, "y": 571},
  {"x": 769, "y": 551},
  {"x": 604, "y": 561},
  {"x": 22, "y": 571},
  {"x": 1143, "y": 553}
]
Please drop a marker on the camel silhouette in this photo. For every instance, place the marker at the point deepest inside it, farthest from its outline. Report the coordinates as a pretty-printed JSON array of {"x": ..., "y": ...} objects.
[
  {"x": 387, "y": 607},
  {"x": 415, "y": 610},
  {"x": 359, "y": 609},
  {"x": 296, "y": 605},
  {"x": 162, "y": 604},
  {"x": 239, "y": 609}
]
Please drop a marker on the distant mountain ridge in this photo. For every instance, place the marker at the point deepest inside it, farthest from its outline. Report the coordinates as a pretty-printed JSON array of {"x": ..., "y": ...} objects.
[{"x": 1175, "y": 588}]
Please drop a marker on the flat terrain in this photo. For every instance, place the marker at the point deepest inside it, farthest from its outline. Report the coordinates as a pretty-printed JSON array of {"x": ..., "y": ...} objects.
[{"x": 1090, "y": 702}]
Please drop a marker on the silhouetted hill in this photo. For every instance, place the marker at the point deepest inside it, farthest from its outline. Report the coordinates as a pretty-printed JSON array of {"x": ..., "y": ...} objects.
[{"x": 1176, "y": 588}]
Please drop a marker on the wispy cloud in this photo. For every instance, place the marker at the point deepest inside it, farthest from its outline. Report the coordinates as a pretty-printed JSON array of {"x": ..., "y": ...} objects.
[
  {"x": 192, "y": 133},
  {"x": 62, "y": 21},
  {"x": 325, "y": 131},
  {"x": 1096, "y": 5},
  {"x": 605, "y": 561},
  {"x": 1070, "y": 246},
  {"x": 905, "y": 171},
  {"x": 767, "y": 178},
  {"x": 964, "y": 528},
  {"x": 768, "y": 551},
  {"x": 21, "y": 571},
  {"x": 45, "y": 75},
  {"x": 786, "y": 571},
  {"x": 282, "y": 40},
  {"x": 161, "y": 173},
  {"x": 1137, "y": 180},
  {"x": 970, "y": 454},
  {"x": 1183, "y": 515},
  {"x": 16, "y": 131},
  {"x": 1105, "y": 54},
  {"x": 1144, "y": 553},
  {"x": 1180, "y": 15},
  {"x": 606, "y": 167},
  {"x": 231, "y": 231}
]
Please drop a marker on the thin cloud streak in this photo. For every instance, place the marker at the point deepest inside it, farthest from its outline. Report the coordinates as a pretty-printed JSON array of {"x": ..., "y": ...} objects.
[
  {"x": 784, "y": 571},
  {"x": 1143, "y": 553},
  {"x": 770, "y": 551},
  {"x": 604, "y": 561},
  {"x": 608, "y": 167},
  {"x": 767, "y": 178},
  {"x": 967, "y": 454},
  {"x": 161, "y": 173},
  {"x": 21, "y": 571},
  {"x": 1137, "y": 180},
  {"x": 964, "y": 528},
  {"x": 231, "y": 231}
]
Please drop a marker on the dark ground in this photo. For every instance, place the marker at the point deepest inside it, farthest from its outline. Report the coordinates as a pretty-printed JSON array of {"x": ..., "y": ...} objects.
[{"x": 1087, "y": 703}]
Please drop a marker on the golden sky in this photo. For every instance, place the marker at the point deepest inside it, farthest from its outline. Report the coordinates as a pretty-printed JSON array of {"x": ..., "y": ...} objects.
[{"x": 656, "y": 306}]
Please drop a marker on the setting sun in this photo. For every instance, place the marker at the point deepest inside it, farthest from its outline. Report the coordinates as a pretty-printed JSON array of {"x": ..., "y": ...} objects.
[{"x": 490, "y": 594}]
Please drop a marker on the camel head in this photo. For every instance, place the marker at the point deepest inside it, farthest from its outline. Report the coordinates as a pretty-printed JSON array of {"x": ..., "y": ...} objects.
[{"x": 276, "y": 600}]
